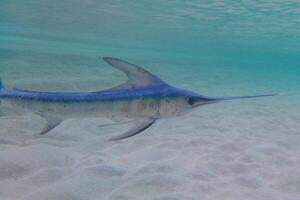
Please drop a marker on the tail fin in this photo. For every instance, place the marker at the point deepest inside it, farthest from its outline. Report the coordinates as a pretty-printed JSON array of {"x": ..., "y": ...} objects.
[
  {"x": 1, "y": 89},
  {"x": 1, "y": 86}
]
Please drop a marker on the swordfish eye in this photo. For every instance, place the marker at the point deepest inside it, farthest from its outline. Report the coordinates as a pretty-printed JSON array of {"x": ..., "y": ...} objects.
[{"x": 191, "y": 100}]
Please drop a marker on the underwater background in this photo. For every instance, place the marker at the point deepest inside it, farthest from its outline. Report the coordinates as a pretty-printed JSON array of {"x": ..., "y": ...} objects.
[{"x": 236, "y": 150}]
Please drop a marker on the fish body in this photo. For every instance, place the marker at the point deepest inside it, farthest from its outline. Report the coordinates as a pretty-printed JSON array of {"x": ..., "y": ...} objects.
[
  {"x": 155, "y": 102},
  {"x": 144, "y": 98}
]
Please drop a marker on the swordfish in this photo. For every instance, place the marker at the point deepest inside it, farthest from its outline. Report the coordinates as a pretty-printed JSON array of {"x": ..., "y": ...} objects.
[{"x": 144, "y": 98}]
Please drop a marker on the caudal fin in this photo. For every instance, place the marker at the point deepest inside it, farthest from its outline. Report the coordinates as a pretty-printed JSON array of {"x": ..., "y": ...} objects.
[{"x": 1, "y": 86}]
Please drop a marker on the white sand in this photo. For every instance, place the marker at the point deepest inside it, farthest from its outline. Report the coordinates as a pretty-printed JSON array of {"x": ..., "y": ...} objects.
[{"x": 232, "y": 151}]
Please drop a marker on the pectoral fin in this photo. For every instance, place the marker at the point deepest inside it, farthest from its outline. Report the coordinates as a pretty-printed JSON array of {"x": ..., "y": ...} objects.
[
  {"x": 140, "y": 126},
  {"x": 52, "y": 122}
]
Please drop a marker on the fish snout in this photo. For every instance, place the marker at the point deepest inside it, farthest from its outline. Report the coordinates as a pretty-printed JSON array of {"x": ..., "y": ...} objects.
[{"x": 200, "y": 101}]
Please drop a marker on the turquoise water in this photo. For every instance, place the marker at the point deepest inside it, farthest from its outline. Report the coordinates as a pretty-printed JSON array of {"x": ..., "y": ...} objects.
[
  {"x": 214, "y": 47},
  {"x": 238, "y": 150}
]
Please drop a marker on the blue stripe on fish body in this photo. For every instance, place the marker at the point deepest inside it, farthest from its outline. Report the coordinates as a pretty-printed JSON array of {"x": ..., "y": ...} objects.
[{"x": 155, "y": 92}]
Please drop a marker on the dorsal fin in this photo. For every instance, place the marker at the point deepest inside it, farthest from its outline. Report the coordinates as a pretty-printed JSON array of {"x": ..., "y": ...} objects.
[{"x": 137, "y": 76}]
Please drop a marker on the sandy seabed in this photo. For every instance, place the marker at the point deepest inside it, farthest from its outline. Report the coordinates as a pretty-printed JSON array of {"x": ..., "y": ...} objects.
[{"x": 229, "y": 151}]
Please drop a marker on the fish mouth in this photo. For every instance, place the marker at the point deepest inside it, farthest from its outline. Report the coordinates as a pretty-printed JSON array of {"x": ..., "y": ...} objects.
[{"x": 203, "y": 103}]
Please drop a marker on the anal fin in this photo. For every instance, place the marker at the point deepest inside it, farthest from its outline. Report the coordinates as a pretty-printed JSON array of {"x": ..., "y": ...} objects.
[
  {"x": 140, "y": 126},
  {"x": 52, "y": 122}
]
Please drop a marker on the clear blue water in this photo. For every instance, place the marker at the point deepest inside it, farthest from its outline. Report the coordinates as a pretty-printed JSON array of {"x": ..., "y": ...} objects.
[
  {"x": 236, "y": 150},
  {"x": 211, "y": 46}
]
